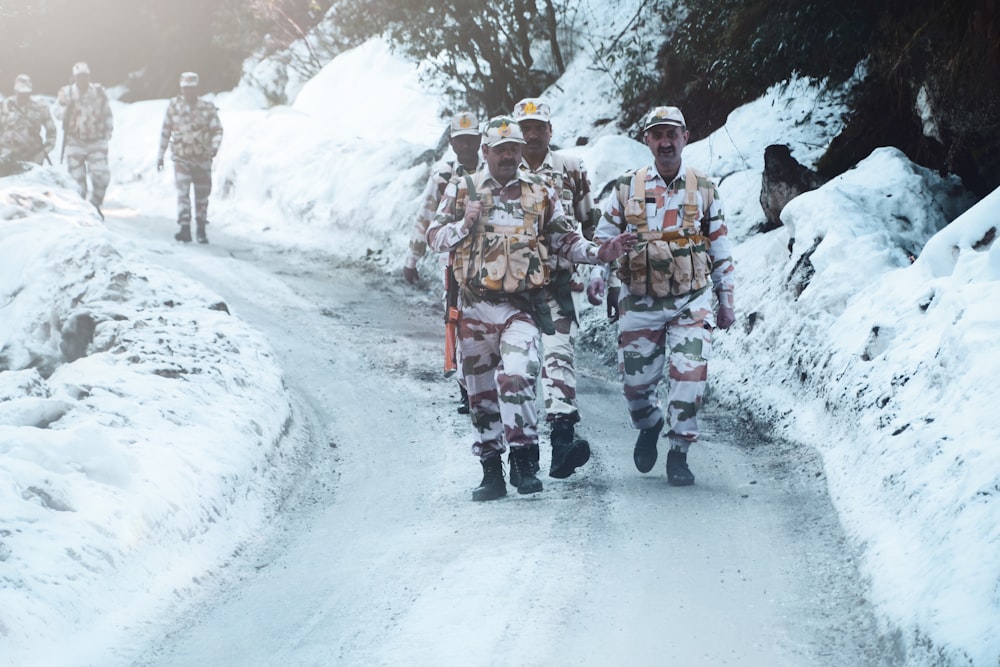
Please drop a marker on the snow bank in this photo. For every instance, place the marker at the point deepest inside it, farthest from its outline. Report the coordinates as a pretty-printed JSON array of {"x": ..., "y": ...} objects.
[
  {"x": 886, "y": 367},
  {"x": 139, "y": 426}
]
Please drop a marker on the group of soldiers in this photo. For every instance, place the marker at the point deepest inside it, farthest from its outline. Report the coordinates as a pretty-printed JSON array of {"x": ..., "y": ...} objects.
[
  {"x": 191, "y": 127},
  {"x": 517, "y": 220}
]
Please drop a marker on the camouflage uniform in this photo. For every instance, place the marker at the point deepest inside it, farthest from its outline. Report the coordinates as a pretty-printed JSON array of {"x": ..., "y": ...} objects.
[
  {"x": 194, "y": 133},
  {"x": 673, "y": 331},
  {"x": 498, "y": 335},
  {"x": 21, "y": 129},
  {"x": 87, "y": 124},
  {"x": 568, "y": 177},
  {"x": 442, "y": 173}
]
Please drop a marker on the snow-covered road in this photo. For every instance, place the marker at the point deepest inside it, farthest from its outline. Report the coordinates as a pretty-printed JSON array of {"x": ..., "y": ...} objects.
[{"x": 382, "y": 559}]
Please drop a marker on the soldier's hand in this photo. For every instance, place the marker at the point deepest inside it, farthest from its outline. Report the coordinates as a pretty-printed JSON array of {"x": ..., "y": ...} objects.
[
  {"x": 159, "y": 165},
  {"x": 411, "y": 275},
  {"x": 595, "y": 290},
  {"x": 613, "y": 295},
  {"x": 473, "y": 209},
  {"x": 614, "y": 248},
  {"x": 725, "y": 317}
]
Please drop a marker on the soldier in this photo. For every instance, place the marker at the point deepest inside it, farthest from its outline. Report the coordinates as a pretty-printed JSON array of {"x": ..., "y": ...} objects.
[
  {"x": 569, "y": 178},
  {"x": 27, "y": 131},
  {"x": 668, "y": 278},
  {"x": 464, "y": 140},
  {"x": 501, "y": 223},
  {"x": 194, "y": 132},
  {"x": 87, "y": 126}
]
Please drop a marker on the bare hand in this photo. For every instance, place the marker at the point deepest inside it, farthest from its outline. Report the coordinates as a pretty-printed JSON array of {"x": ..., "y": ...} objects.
[
  {"x": 159, "y": 165},
  {"x": 614, "y": 248},
  {"x": 595, "y": 291},
  {"x": 725, "y": 317},
  {"x": 473, "y": 209}
]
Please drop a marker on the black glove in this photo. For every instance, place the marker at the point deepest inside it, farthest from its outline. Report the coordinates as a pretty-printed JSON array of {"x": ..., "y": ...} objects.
[{"x": 613, "y": 293}]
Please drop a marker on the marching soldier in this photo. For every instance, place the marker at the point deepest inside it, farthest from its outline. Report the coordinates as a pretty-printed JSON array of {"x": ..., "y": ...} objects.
[
  {"x": 501, "y": 223},
  {"x": 192, "y": 129},
  {"x": 569, "y": 178},
  {"x": 682, "y": 256},
  {"x": 87, "y": 126},
  {"x": 464, "y": 140},
  {"x": 27, "y": 131}
]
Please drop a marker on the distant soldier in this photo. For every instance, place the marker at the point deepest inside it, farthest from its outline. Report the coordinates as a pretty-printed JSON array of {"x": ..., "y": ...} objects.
[
  {"x": 87, "y": 126},
  {"x": 194, "y": 132},
  {"x": 27, "y": 131}
]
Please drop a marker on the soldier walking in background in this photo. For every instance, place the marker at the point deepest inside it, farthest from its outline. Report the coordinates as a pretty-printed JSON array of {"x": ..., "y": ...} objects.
[
  {"x": 682, "y": 255},
  {"x": 194, "y": 132},
  {"x": 27, "y": 131},
  {"x": 464, "y": 140},
  {"x": 568, "y": 177},
  {"x": 87, "y": 126},
  {"x": 501, "y": 223}
]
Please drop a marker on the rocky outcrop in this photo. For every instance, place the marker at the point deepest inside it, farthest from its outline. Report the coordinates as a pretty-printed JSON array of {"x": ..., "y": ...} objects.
[{"x": 784, "y": 179}]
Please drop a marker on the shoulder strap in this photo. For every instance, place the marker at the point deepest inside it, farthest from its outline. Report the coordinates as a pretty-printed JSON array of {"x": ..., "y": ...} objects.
[{"x": 635, "y": 188}]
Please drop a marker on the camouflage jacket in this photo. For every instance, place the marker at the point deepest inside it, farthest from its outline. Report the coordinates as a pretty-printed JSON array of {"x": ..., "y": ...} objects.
[
  {"x": 432, "y": 194},
  {"x": 21, "y": 129},
  {"x": 504, "y": 210},
  {"x": 86, "y": 116},
  {"x": 194, "y": 132},
  {"x": 568, "y": 176}
]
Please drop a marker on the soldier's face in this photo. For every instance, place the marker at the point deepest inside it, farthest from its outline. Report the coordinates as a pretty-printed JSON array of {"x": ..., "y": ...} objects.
[
  {"x": 666, "y": 142},
  {"x": 537, "y": 134},
  {"x": 503, "y": 160},
  {"x": 190, "y": 93},
  {"x": 466, "y": 148},
  {"x": 82, "y": 80}
]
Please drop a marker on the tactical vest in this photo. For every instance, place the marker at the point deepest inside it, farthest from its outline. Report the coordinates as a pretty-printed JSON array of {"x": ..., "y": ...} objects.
[
  {"x": 666, "y": 263},
  {"x": 502, "y": 259}
]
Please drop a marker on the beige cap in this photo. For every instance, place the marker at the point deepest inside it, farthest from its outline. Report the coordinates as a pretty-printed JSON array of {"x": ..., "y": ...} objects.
[
  {"x": 22, "y": 84},
  {"x": 502, "y": 130},
  {"x": 532, "y": 108},
  {"x": 663, "y": 116},
  {"x": 464, "y": 123}
]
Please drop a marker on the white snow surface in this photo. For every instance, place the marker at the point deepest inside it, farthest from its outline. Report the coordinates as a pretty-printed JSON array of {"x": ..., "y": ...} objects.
[{"x": 141, "y": 425}]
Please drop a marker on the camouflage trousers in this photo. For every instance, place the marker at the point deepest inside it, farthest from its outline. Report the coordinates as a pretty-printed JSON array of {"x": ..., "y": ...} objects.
[
  {"x": 83, "y": 157},
  {"x": 558, "y": 370},
  {"x": 188, "y": 176},
  {"x": 672, "y": 334},
  {"x": 498, "y": 347}
]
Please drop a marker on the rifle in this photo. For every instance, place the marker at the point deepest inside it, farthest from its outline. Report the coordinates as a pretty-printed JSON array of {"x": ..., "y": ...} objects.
[
  {"x": 70, "y": 109},
  {"x": 452, "y": 316}
]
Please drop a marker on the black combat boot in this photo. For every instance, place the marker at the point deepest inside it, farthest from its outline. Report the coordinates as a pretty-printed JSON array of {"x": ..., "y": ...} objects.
[
  {"x": 533, "y": 456},
  {"x": 492, "y": 486},
  {"x": 644, "y": 453},
  {"x": 568, "y": 452},
  {"x": 202, "y": 236},
  {"x": 678, "y": 473},
  {"x": 463, "y": 406},
  {"x": 522, "y": 471},
  {"x": 184, "y": 235}
]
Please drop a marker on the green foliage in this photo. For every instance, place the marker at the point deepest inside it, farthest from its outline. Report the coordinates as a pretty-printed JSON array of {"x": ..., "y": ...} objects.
[
  {"x": 484, "y": 54},
  {"x": 720, "y": 54}
]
